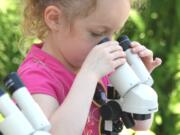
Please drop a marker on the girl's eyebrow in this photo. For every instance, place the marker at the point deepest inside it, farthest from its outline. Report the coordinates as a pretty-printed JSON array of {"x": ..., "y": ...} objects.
[
  {"x": 102, "y": 26},
  {"x": 108, "y": 28},
  {"x": 105, "y": 29}
]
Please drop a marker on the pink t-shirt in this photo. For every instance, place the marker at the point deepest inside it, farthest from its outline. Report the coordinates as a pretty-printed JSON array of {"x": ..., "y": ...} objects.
[{"x": 42, "y": 73}]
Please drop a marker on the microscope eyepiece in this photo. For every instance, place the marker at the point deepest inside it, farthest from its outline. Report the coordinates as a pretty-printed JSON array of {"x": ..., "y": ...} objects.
[
  {"x": 26, "y": 103},
  {"x": 104, "y": 40},
  {"x": 124, "y": 42},
  {"x": 13, "y": 82}
]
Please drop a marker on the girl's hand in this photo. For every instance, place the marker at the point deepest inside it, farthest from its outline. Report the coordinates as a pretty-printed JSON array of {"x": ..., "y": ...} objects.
[
  {"x": 104, "y": 58},
  {"x": 146, "y": 55}
]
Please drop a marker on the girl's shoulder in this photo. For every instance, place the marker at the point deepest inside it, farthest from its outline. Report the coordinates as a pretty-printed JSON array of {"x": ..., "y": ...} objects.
[{"x": 39, "y": 79}]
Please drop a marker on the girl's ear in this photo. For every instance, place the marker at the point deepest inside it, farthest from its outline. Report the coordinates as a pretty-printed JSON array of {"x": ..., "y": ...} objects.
[{"x": 53, "y": 17}]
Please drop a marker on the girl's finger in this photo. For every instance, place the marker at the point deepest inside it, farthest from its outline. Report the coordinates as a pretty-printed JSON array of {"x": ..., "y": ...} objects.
[
  {"x": 157, "y": 61},
  {"x": 138, "y": 48},
  {"x": 113, "y": 48},
  {"x": 109, "y": 43},
  {"x": 135, "y": 43},
  {"x": 118, "y": 62},
  {"x": 146, "y": 53},
  {"x": 118, "y": 54}
]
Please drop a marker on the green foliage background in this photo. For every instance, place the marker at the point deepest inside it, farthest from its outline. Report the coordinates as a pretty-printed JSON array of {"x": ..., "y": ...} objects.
[
  {"x": 157, "y": 26},
  {"x": 10, "y": 56}
]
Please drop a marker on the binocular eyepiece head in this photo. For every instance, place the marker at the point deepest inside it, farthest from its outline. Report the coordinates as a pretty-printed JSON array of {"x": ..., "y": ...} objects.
[{"x": 124, "y": 41}]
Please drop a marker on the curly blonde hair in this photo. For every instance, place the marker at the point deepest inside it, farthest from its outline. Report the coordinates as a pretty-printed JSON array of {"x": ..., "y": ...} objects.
[{"x": 33, "y": 23}]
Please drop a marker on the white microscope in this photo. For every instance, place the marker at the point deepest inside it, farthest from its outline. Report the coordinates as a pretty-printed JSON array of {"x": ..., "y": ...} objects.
[
  {"x": 133, "y": 83},
  {"x": 24, "y": 119}
]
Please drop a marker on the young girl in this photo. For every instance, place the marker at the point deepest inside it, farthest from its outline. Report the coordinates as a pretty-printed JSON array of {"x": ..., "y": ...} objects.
[{"x": 63, "y": 71}]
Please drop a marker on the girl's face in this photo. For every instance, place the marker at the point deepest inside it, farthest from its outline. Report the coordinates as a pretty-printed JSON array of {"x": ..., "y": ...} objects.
[{"x": 75, "y": 42}]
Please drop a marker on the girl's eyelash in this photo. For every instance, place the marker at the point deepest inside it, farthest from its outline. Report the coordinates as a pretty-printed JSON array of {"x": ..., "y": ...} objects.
[{"x": 96, "y": 34}]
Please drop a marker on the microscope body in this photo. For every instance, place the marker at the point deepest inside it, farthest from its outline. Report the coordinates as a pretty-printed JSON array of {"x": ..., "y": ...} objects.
[
  {"x": 133, "y": 83},
  {"x": 24, "y": 119},
  {"x": 136, "y": 97},
  {"x": 131, "y": 80},
  {"x": 14, "y": 120}
]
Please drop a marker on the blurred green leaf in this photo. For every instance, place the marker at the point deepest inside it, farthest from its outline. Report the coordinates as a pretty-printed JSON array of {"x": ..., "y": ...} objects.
[{"x": 137, "y": 20}]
